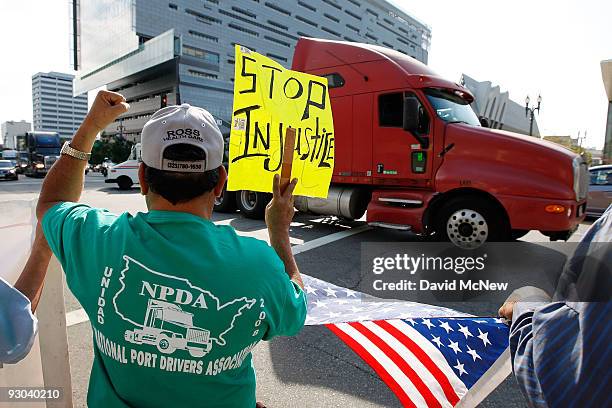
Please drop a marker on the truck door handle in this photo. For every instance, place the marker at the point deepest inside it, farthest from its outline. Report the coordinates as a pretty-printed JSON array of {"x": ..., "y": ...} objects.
[{"x": 446, "y": 149}]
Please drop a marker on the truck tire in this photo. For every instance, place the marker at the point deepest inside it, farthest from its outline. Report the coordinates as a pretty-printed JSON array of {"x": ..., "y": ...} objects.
[
  {"x": 252, "y": 204},
  {"x": 226, "y": 203},
  {"x": 164, "y": 344},
  {"x": 468, "y": 222},
  {"x": 124, "y": 183}
]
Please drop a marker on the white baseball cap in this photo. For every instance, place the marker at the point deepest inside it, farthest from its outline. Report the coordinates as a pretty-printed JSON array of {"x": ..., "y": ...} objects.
[{"x": 177, "y": 125}]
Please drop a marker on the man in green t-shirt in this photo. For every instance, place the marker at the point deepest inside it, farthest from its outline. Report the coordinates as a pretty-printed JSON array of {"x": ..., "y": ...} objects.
[{"x": 176, "y": 303}]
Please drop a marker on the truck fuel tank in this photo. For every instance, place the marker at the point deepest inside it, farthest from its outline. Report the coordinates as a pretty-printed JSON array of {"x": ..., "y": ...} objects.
[{"x": 341, "y": 201}]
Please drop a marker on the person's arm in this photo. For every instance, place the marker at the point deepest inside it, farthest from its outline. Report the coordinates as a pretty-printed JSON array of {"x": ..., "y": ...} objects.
[
  {"x": 32, "y": 278},
  {"x": 279, "y": 214},
  {"x": 64, "y": 182},
  {"x": 518, "y": 310}
]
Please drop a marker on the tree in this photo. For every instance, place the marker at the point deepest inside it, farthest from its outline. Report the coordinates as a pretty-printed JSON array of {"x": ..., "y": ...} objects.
[{"x": 117, "y": 149}]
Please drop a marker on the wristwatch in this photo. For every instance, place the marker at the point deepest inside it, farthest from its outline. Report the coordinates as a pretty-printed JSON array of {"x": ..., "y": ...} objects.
[{"x": 77, "y": 154}]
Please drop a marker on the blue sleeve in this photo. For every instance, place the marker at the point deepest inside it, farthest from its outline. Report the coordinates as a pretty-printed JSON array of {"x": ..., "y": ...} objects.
[
  {"x": 561, "y": 354},
  {"x": 18, "y": 326}
]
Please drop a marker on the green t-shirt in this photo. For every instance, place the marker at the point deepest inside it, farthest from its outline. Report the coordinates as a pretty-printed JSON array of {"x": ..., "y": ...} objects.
[{"x": 176, "y": 304}]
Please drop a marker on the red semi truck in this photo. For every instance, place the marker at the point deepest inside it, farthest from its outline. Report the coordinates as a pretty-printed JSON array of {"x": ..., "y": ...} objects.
[{"x": 410, "y": 150}]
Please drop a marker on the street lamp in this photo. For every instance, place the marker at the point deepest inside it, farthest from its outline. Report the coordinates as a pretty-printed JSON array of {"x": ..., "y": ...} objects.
[{"x": 530, "y": 112}]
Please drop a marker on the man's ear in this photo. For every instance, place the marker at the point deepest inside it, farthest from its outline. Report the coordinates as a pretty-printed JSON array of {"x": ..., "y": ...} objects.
[
  {"x": 218, "y": 190},
  {"x": 144, "y": 187}
]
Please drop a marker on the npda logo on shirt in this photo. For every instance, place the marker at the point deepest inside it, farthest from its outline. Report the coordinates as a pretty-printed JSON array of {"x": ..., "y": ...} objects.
[{"x": 170, "y": 313}]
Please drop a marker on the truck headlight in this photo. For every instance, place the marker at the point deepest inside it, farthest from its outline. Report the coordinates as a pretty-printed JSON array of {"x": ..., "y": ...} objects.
[
  {"x": 40, "y": 166},
  {"x": 12, "y": 171}
]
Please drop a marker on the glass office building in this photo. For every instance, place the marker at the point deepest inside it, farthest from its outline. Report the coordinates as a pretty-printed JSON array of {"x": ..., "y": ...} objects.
[
  {"x": 53, "y": 106},
  {"x": 159, "y": 52}
]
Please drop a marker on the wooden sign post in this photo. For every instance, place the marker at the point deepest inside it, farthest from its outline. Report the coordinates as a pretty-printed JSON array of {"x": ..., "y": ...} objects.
[{"x": 287, "y": 158}]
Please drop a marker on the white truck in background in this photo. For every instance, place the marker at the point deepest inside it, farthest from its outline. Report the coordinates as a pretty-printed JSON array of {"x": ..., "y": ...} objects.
[{"x": 126, "y": 174}]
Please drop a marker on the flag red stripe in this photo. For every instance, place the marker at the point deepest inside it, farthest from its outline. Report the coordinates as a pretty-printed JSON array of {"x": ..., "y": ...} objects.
[
  {"x": 400, "y": 363},
  {"x": 447, "y": 388},
  {"x": 378, "y": 368}
]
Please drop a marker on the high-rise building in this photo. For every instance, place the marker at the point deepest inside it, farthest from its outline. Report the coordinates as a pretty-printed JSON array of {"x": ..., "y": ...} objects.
[
  {"x": 54, "y": 107},
  {"x": 11, "y": 130},
  {"x": 159, "y": 52},
  {"x": 497, "y": 107}
]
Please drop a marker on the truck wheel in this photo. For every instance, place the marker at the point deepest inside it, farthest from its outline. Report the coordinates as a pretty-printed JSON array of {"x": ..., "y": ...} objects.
[
  {"x": 226, "y": 203},
  {"x": 164, "y": 345},
  {"x": 253, "y": 204},
  {"x": 124, "y": 182},
  {"x": 469, "y": 222}
]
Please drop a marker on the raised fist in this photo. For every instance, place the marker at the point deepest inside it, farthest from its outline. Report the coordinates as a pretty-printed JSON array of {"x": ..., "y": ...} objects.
[{"x": 106, "y": 108}]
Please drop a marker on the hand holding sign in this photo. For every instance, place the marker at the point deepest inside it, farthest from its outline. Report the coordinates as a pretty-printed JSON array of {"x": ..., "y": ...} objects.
[{"x": 268, "y": 100}]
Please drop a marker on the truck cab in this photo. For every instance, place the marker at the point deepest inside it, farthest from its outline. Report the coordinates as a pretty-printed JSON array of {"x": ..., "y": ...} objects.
[
  {"x": 43, "y": 150},
  {"x": 410, "y": 150}
]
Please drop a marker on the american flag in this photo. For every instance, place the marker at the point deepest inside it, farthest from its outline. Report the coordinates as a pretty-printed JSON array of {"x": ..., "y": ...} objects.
[{"x": 429, "y": 356}]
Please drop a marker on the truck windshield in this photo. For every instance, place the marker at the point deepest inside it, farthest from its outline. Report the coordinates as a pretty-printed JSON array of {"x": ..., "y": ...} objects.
[{"x": 451, "y": 108}]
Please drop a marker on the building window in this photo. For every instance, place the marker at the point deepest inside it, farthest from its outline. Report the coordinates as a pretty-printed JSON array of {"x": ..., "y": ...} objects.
[
  {"x": 349, "y": 39},
  {"x": 245, "y": 12},
  {"x": 332, "y": 3},
  {"x": 352, "y": 28},
  {"x": 202, "y": 17},
  {"x": 308, "y": 6},
  {"x": 330, "y": 31},
  {"x": 201, "y": 74},
  {"x": 206, "y": 37},
  {"x": 302, "y": 34},
  {"x": 307, "y": 21},
  {"x": 277, "y": 41},
  {"x": 278, "y": 25},
  {"x": 350, "y": 13},
  {"x": 355, "y": 3},
  {"x": 207, "y": 56},
  {"x": 244, "y": 30},
  {"x": 277, "y": 8},
  {"x": 371, "y": 37},
  {"x": 173, "y": 6},
  {"x": 375, "y": 14},
  {"x": 332, "y": 18},
  {"x": 277, "y": 57}
]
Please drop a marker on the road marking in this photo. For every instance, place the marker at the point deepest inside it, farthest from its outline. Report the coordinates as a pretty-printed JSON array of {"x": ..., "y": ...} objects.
[{"x": 79, "y": 315}]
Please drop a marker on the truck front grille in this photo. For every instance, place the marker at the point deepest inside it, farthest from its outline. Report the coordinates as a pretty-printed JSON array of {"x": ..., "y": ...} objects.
[{"x": 197, "y": 336}]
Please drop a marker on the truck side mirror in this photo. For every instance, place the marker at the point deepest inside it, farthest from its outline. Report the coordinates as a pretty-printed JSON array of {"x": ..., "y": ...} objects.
[
  {"x": 484, "y": 122},
  {"x": 411, "y": 114},
  {"x": 412, "y": 120}
]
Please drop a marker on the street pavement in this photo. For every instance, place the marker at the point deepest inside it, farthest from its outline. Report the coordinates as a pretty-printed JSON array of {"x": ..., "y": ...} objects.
[{"x": 312, "y": 369}]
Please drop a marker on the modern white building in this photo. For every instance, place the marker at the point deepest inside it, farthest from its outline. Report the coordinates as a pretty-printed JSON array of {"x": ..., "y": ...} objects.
[
  {"x": 11, "y": 129},
  {"x": 497, "y": 107},
  {"x": 54, "y": 107}
]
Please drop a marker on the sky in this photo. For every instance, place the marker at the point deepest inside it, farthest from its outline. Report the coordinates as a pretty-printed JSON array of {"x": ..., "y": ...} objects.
[{"x": 527, "y": 47}]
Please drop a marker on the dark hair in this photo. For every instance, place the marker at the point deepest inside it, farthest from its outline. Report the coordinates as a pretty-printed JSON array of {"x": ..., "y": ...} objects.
[{"x": 180, "y": 187}]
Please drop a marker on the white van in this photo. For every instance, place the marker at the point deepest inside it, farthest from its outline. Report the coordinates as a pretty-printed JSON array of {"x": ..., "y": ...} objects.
[{"x": 126, "y": 174}]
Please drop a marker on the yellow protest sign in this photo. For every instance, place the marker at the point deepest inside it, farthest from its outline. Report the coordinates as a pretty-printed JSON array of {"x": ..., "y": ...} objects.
[{"x": 267, "y": 100}]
